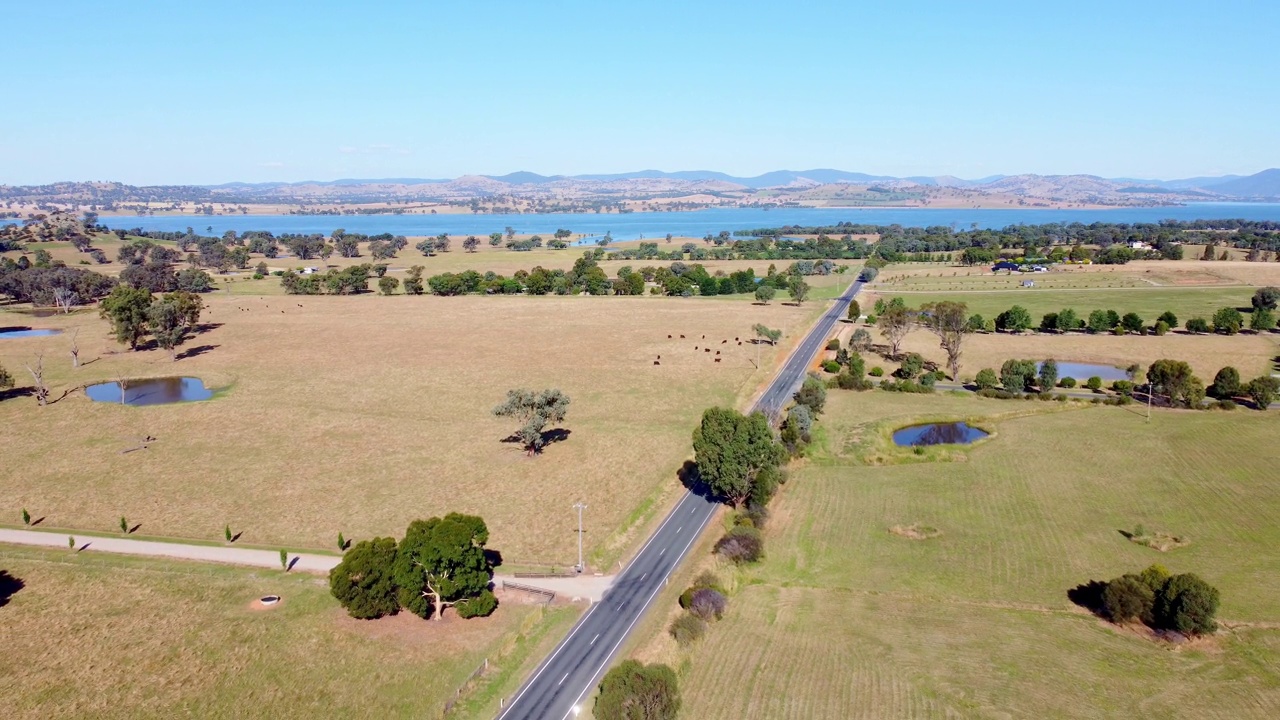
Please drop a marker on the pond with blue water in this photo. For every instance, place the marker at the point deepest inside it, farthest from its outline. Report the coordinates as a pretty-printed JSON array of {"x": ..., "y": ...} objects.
[
  {"x": 1084, "y": 371},
  {"x": 22, "y": 332},
  {"x": 152, "y": 391},
  {"x": 952, "y": 433}
]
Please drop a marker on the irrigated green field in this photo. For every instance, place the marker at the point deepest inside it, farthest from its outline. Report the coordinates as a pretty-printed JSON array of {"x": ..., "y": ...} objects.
[
  {"x": 97, "y": 636},
  {"x": 845, "y": 619}
]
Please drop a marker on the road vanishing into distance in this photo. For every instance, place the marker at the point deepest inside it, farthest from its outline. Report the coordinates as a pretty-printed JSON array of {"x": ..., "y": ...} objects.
[{"x": 560, "y": 683}]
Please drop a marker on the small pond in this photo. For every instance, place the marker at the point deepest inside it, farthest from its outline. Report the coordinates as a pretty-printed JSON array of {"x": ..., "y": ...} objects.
[
  {"x": 152, "y": 391},
  {"x": 21, "y": 332},
  {"x": 1084, "y": 371},
  {"x": 954, "y": 433}
]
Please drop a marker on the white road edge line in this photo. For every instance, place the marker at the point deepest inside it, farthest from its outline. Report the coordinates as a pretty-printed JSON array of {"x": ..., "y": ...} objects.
[
  {"x": 608, "y": 658},
  {"x": 564, "y": 643}
]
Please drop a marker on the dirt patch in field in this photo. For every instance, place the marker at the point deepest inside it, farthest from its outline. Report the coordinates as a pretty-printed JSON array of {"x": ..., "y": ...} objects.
[{"x": 915, "y": 531}]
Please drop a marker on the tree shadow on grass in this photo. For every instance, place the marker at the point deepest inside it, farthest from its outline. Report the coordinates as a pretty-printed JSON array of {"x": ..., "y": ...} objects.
[
  {"x": 9, "y": 586},
  {"x": 1089, "y": 596},
  {"x": 205, "y": 327},
  {"x": 16, "y": 393},
  {"x": 195, "y": 351},
  {"x": 292, "y": 562},
  {"x": 553, "y": 435}
]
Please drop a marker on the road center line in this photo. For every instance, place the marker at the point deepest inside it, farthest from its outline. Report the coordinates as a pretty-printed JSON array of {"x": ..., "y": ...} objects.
[{"x": 566, "y": 677}]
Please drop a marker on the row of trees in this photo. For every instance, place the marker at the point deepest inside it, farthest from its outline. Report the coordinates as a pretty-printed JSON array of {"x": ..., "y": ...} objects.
[
  {"x": 1227, "y": 321},
  {"x": 1172, "y": 380},
  {"x": 440, "y": 563}
]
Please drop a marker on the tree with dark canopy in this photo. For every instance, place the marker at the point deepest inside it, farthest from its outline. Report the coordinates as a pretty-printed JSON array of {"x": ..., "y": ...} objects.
[
  {"x": 127, "y": 307},
  {"x": 734, "y": 451},
  {"x": 441, "y": 563},
  {"x": 364, "y": 582}
]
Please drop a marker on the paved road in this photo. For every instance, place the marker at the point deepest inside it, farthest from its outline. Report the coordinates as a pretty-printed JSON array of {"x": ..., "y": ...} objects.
[{"x": 566, "y": 677}]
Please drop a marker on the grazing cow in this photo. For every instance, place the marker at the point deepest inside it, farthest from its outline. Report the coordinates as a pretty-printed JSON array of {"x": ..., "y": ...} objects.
[
  {"x": 717, "y": 359},
  {"x": 681, "y": 337},
  {"x": 655, "y": 362},
  {"x": 668, "y": 337},
  {"x": 695, "y": 347},
  {"x": 704, "y": 337},
  {"x": 723, "y": 342},
  {"x": 707, "y": 350},
  {"x": 739, "y": 342},
  {"x": 738, "y": 339},
  {"x": 717, "y": 352},
  {"x": 659, "y": 357}
]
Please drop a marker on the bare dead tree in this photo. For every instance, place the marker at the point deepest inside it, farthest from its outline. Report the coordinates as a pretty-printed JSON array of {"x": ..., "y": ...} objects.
[
  {"x": 123, "y": 382},
  {"x": 65, "y": 299},
  {"x": 37, "y": 374},
  {"x": 75, "y": 349}
]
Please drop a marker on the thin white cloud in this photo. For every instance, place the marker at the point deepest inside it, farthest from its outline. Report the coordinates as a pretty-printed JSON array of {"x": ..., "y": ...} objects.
[{"x": 271, "y": 164}]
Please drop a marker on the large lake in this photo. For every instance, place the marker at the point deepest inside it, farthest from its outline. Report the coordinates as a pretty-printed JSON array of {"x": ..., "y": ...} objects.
[{"x": 654, "y": 225}]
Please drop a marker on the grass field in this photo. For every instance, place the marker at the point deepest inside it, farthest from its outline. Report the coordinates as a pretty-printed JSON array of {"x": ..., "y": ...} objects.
[
  {"x": 360, "y": 414},
  {"x": 95, "y": 636},
  {"x": 845, "y": 619}
]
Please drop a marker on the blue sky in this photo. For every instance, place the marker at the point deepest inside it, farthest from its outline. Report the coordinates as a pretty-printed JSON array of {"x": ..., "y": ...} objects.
[{"x": 212, "y": 92}]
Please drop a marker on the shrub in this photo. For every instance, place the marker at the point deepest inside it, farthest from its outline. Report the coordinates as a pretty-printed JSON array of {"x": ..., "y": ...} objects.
[
  {"x": 813, "y": 393},
  {"x": 833, "y": 344},
  {"x": 633, "y": 690},
  {"x": 876, "y": 371},
  {"x": 1094, "y": 383},
  {"x": 364, "y": 581},
  {"x": 1124, "y": 387},
  {"x": 481, "y": 605},
  {"x": 928, "y": 380},
  {"x": 912, "y": 364},
  {"x": 1226, "y": 384},
  {"x": 998, "y": 394},
  {"x": 1127, "y": 598},
  {"x": 1187, "y": 604},
  {"x": 1225, "y": 405},
  {"x": 741, "y": 545},
  {"x": 1227, "y": 320},
  {"x": 688, "y": 629},
  {"x": 1197, "y": 326},
  {"x": 986, "y": 379},
  {"x": 906, "y": 386},
  {"x": 1263, "y": 390},
  {"x": 1017, "y": 375},
  {"x": 848, "y": 381},
  {"x": 1161, "y": 327},
  {"x": 1067, "y": 382},
  {"x": 707, "y": 604},
  {"x": 831, "y": 366}
]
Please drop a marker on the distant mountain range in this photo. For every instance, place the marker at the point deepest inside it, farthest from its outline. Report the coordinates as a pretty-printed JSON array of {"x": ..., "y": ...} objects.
[
  {"x": 646, "y": 190},
  {"x": 1265, "y": 184}
]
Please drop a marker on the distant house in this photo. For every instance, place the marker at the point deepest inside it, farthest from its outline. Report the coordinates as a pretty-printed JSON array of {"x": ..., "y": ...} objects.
[
  {"x": 1005, "y": 265},
  {"x": 1139, "y": 245},
  {"x": 309, "y": 271}
]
